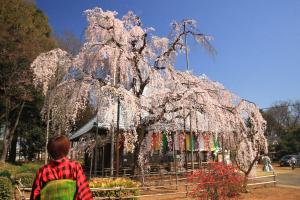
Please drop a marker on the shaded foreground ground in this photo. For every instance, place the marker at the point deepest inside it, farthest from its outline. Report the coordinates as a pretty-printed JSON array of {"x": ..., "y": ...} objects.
[
  {"x": 288, "y": 187},
  {"x": 272, "y": 193},
  {"x": 269, "y": 193}
]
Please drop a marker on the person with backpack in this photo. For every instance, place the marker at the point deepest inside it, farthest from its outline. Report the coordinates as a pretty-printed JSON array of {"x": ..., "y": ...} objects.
[
  {"x": 293, "y": 162},
  {"x": 267, "y": 163},
  {"x": 60, "y": 179}
]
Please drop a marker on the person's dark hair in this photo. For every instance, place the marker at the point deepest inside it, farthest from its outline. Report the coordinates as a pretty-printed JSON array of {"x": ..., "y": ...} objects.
[{"x": 58, "y": 147}]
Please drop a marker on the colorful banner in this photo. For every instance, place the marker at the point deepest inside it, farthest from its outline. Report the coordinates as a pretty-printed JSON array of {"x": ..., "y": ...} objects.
[
  {"x": 164, "y": 143},
  {"x": 176, "y": 141},
  {"x": 206, "y": 142},
  {"x": 187, "y": 142},
  {"x": 217, "y": 145},
  {"x": 198, "y": 142},
  {"x": 212, "y": 143},
  {"x": 181, "y": 141},
  {"x": 156, "y": 141},
  {"x": 193, "y": 141},
  {"x": 190, "y": 142},
  {"x": 201, "y": 142}
]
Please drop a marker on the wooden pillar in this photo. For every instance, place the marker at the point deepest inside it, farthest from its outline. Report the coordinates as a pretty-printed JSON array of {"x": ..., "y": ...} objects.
[
  {"x": 112, "y": 151},
  {"x": 191, "y": 141},
  {"x": 96, "y": 150},
  {"x": 117, "y": 143},
  {"x": 91, "y": 163},
  {"x": 199, "y": 158},
  {"x": 96, "y": 161},
  {"x": 223, "y": 153},
  {"x": 185, "y": 142},
  {"x": 103, "y": 156},
  {"x": 175, "y": 160}
]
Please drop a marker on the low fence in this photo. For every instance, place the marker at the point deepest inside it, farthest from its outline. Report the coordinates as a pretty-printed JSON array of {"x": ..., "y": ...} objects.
[
  {"x": 182, "y": 182},
  {"x": 163, "y": 184},
  {"x": 262, "y": 180}
]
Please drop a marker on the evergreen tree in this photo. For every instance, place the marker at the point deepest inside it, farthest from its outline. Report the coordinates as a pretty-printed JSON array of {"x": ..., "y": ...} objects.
[{"x": 24, "y": 33}]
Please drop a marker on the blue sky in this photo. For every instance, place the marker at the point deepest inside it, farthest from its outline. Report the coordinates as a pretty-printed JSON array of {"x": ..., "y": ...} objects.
[{"x": 257, "y": 41}]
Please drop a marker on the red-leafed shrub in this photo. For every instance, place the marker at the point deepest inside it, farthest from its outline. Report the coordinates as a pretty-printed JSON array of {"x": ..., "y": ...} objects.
[{"x": 216, "y": 182}]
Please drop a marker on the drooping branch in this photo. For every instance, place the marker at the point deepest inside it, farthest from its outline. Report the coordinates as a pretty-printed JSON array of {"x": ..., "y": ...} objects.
[{"x": 172, "y": 48}]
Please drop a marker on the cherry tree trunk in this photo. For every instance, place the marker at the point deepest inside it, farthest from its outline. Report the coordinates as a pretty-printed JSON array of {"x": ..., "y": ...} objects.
[{"x": 141, "y": 136}]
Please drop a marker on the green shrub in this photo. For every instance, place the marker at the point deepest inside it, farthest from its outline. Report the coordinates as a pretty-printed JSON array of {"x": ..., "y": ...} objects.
[
  {"x": 25, "y": 178},
  {"x": 31, "y": 167},
  {"x": 1, "y": 146},
  {"x": 12, "y": 169},
  {"x": 105, "y": 183},
  {"x": 6, "y": 189},
  {"x": 5, "y": 173}
]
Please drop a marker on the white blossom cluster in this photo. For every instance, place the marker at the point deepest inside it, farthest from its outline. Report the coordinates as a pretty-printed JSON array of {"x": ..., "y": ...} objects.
[
  {"x": 47, "y": 66},
  {"x": 84, "y": 145},
  {"x": 206, "y": 106},
  {"x": 130, "y": 139}
]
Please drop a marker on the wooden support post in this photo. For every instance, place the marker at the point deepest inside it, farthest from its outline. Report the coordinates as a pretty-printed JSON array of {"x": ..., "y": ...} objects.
[
  {"x": 117, "y": 143},
  {"x": 143, "y": 178},
  {"x": 103, "y": 147},
  {"x": 223, "y": 149},
  {"x": 91, "y": 165},
  {"x": 175, "y": 160},
  {"x": 274, "y": 178},
  {"x": 199, "y": 158},
  {"x": 117, "y": 155},
  {"x": 186, "y": 185},
  {"x": 185, "y": 142},
  {"x": 112, "y": 151},
  {"x": 161, "y": 175},
  {"x": 96, "y": 161},
  {"x": 96, "y": 149},
  {"x": 191, "y": 141}
]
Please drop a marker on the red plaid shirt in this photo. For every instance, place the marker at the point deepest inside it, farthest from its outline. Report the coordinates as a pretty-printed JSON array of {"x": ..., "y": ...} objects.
[{"x": 62, "y": 169}]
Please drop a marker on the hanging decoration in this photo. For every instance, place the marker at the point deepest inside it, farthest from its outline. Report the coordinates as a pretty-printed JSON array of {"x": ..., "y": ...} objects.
[
  {"x": 217, "y": 145},
  {"x": 165, "y": 147},
  {"x": 156, "y": 141},
  {"x": 181, "y": 137},
  {"x": 212, "y": 143},
  {"x": 200, "y": 140},
  {"x": 169, "y": 140},
  {"x": 194, "y": 142},
  {"x": 130, "y": 139},
  {"x": 188, "y": 142},
  {"x": 176, "y": 141},
  {"x": 206, "y": 141}
]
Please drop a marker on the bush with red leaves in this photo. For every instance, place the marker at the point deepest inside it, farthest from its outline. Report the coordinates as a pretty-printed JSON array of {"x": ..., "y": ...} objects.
[{"x": 216, "y": 182}]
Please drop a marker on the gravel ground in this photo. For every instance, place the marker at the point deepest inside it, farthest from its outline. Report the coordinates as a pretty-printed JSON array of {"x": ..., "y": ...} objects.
[
  {"x": 272, "y": 193},
  {"x": 285, "y": 175},
  {"x": 288, "y": 187}
]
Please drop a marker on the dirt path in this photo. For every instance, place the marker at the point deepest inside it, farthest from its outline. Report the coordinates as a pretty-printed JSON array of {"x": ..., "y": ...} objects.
[
  {"x": 285, "y": 175},
  {"x": 272, "y": 193},
  {"x": 288, "y": 187},
  {"x": 268, "y": 193}
]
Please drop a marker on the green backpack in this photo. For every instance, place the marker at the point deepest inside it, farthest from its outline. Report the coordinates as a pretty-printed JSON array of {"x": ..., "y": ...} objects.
[{"x": 63, "y": 189}]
